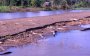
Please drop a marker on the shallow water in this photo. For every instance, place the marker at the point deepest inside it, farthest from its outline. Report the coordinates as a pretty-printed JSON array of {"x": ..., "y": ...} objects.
[
  {"x": 86, "y": 26},
  {"x": 34, "y": 14},
  {"x": 72, "y": 43}
]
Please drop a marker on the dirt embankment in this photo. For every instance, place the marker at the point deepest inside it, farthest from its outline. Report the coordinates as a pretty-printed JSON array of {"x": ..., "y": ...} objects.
[{"x": 19, "y": 32}]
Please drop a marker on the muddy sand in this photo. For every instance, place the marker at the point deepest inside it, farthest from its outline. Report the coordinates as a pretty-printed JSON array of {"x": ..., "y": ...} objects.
[{"x": 18, "y": 32}]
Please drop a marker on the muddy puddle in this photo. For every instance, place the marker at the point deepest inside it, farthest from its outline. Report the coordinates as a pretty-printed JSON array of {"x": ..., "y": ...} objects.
[{"x": 70, "y": 43}]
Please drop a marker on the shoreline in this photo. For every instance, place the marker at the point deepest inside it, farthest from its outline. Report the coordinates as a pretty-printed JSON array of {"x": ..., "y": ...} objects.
[{"x": 32, "y": 30}]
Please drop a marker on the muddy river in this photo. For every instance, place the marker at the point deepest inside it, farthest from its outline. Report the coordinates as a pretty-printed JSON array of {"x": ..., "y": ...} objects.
[
  {"x": 34, "y": 14},
  {"x": 71, "y": 43}
]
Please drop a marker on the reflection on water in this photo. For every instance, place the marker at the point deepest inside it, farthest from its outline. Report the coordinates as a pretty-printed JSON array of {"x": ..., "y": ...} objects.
[
  {"x": 72, "y": 43},
  {"x": 78, "y": 10},
  {"x": 34, "y": 14},
  {"x": 29, "y": 14}
]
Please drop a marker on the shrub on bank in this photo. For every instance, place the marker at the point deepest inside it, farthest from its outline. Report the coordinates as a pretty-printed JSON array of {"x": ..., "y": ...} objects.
[
  {"x": 4, "y": 8},
  {"x": 81, "y": 4}
]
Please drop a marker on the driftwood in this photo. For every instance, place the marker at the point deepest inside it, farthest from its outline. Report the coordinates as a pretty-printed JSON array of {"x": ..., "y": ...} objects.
[
  {"x": 85, "y": 29},
  {"x": 87, "y": 17},
  {"x": 6, "y": 53}
]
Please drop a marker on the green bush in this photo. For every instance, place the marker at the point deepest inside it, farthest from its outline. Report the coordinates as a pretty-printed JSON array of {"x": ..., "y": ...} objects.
[
  {"x": 81, "y": 4},
  {"x": 4, "y": 8}
]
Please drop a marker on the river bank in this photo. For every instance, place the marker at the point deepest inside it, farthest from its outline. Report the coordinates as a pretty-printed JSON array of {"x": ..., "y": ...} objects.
[
  {"x": 18, "y": 32},
  {"x": 6, "y": 9}
]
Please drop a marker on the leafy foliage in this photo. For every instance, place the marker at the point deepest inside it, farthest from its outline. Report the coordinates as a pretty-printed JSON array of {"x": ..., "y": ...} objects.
[
  {"x": 82, "y": 4},
  {"x": 55, "y": 4}
]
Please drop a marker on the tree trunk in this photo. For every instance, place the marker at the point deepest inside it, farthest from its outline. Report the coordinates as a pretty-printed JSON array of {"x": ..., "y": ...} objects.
[{"x": 22, "y": 3}]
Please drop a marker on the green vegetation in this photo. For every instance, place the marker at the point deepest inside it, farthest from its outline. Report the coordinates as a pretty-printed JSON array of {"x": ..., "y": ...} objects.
[
  {"x": 4, "y": 8},
  {"x": 17, "y": 5},
  {"x": 82, "y": 4}
]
